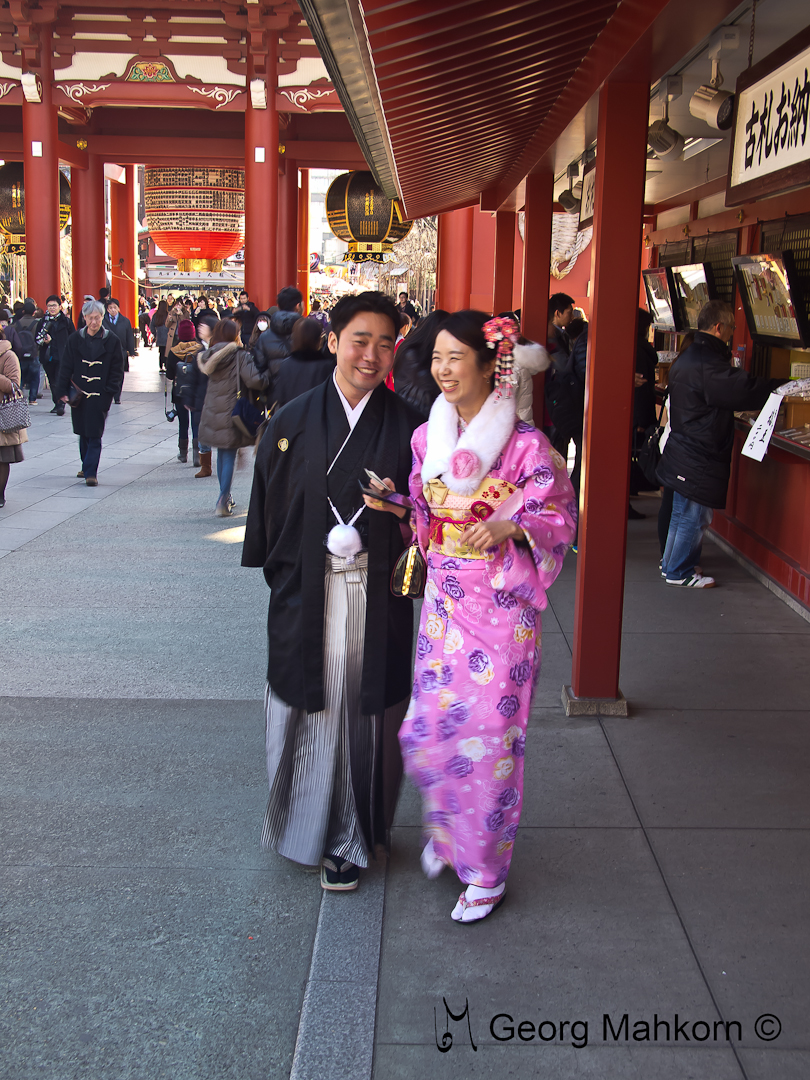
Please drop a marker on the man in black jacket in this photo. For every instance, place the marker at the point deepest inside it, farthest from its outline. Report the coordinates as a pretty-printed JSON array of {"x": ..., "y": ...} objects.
[
  {"x": 51, "y": 335},
  {"x": 275, "y": 343},
  {"x": 704, "y": 393},
  {"x": 122, "y": 328}
]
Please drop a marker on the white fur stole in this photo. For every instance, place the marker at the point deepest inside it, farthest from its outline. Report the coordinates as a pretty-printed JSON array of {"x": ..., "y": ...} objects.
[{"x": 463, "y": 461}]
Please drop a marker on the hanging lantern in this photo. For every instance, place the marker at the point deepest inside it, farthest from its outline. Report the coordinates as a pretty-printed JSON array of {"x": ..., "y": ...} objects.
[
  {"x": 359, "y": 213},
  {"x": 196, "y": 214},
  {"x": 12, "y": 205}
]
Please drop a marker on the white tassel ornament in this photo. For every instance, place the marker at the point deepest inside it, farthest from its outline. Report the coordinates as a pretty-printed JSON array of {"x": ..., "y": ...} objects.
[{"x": 344, "y": 541}]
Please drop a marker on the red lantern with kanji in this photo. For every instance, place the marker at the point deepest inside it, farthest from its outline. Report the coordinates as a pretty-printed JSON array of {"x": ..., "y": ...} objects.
[{"x": 196, "y": 214}]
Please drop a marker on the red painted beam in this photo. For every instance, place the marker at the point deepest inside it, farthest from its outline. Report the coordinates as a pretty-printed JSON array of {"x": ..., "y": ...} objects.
[
  {"x": 663, "y": 30},
  {"x": 604, "y": 492}
]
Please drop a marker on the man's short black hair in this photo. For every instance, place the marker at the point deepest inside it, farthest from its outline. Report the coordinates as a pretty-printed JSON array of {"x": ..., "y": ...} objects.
[
  {"x": 289, "y": 298},
  {"x": 560, "y": 301},
  {"x": 112, "y": 300},
  {"x": 244, "y": 292},
  {"x": 403, "y": 293},
  {"x": 348, "y": 306},
  {"x": 714, "y": 312}
]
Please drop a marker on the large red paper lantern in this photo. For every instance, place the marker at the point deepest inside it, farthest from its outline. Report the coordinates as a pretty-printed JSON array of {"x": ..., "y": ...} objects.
[{"x": 196, "y": 214}]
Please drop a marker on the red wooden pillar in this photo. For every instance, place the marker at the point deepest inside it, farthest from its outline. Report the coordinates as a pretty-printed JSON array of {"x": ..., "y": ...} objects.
[
  {"x": 261, "y": 186},
  {"x": 537, "y": 270},
  {"x": 87, "y": 231},
  {"x": 620, "y": 174},
  {"x": 41, "y": 181},
  {"x": 288, "y": 225},
  {"x": 454, "y": 259},
  {"x": 124, "y": 244},
  {"x": 303, "y": 238},
  {"x": 504, "y": 261}
]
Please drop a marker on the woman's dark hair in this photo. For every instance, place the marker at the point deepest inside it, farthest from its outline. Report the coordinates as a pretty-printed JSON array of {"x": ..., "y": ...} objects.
[
  {"x": 468, "y": 327},
  {"x": 644, "y": 322},
  {"x": 160, "y": 316},
  {"x": 412, "y": 378},
  {"x": 226, "y": 330},
  {"x": 575, "y": 328},
  {"x": 306, "y": 335},
  {"x": 349, "y": 306},
  {"x": 206, "y": 320}
]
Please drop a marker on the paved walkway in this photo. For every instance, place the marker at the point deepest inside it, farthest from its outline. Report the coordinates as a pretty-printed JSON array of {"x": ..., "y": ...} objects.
[{"x": 660, "y": 868}]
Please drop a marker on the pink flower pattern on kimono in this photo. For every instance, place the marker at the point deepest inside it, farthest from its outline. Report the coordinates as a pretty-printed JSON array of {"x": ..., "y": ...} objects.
[{"x": 477, "y": 660}]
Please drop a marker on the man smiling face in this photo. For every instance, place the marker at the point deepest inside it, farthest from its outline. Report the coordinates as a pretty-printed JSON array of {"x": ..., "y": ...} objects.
[{"x": 364, "y": 353}]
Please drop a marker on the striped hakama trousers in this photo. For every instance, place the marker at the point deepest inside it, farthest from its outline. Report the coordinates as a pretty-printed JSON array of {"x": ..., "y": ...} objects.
[{"x": 325, "y": 769}]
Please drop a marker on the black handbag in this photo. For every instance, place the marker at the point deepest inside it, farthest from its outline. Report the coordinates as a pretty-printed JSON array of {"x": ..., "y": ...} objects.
[
  {"x": 246, "y": 417},
  {"x": 409, "y": 576},
  {"x": 649, "y": 454}
]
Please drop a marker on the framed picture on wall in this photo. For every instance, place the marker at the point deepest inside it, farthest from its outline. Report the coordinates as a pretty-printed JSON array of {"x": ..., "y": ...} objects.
[{"x": 588, "y": 200}]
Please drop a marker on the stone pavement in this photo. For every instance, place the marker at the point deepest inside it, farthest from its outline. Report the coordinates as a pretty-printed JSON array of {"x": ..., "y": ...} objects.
[{"x": 660, "y": 867}]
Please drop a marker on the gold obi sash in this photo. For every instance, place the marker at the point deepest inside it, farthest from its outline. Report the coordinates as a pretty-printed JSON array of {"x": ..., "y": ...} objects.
[{"x": 451, "y": 514}]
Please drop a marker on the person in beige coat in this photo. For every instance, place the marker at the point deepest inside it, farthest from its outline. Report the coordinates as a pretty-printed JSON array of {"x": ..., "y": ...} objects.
[
  {"x": 220, "y": 362},
  {"x": 10, "y": 441}
]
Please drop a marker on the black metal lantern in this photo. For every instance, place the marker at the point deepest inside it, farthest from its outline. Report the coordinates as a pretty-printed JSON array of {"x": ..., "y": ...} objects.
[
  {"x": 12, "y": 205},
  {"x": 360, "y": 213}
]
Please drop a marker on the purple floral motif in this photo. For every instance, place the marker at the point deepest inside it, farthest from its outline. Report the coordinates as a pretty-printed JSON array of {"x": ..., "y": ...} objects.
[
  {"x": 510, "y": 832},
  {"x": 446, "y": 729},
  {"x": 519, "y": 746},
  {"x": 459, "y": 712},
  {"x": 523, "y": 590},
  {"x": 544, "y": 475},
  {"x": 430, "y": 680},
  {"x": 438, "y": 817},
  {"x": 521, "y": 673},
  {"x": 466, "y": 874},
  {"x": 441, "y": 610},
  {"x": 459, "y": 766},
  {"x": 493, "y": 821},
  {"x": 408, "y": 744},
  {"x": 573, "y": 509},
  {"x": 478, "y": 661},
  {"x": 524, "y": 427},
  {"x": 533, "y": 506},
  {"x": 558, "y": 549},
  {"x": 453, "y": 588},
  {"x": 449, "y": 564},
  {"x": 508, "y": 706},
  {"x": 498, "y": 464},
  {"x": 419, "y": 726},
  {"x": 502, "y": 875},
  {"x": 445, "y": 676},
  {"x": 508, "y": 562},
  {"x": 424, "y": 646},
  {"x": 452, "y": 803},
  {"x": 505, "y": 600},
  {"x": 509, "y": 797},
  {"x": 529, "y": 618},
  {"x": 428, "y": 777}
]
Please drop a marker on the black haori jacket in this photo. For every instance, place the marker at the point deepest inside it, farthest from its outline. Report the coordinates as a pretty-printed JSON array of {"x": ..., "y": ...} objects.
[
  {"x": 704, "y": 393},
  {"x": 288, "y": 522}
]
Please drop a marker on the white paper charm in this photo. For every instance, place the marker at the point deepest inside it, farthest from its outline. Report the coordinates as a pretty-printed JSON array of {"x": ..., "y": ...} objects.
[{"x": 759, "y": 437}]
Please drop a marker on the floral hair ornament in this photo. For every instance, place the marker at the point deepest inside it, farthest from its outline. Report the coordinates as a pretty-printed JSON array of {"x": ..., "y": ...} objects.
[{"x": 501, "y": 335}]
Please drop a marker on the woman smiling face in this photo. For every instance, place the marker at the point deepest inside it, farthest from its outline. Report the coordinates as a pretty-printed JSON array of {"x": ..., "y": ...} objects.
[{"x": 464, "y": 382}]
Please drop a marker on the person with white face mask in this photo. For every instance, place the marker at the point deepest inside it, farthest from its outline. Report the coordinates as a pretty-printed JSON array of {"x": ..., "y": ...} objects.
[{"x": 275, "y": 343}]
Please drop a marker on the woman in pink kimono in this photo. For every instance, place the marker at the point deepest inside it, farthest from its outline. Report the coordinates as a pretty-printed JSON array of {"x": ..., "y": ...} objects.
[{"x": 495, "y": 512}]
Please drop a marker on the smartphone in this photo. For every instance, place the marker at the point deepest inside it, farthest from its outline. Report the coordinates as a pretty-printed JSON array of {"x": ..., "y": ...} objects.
[{"x": 387, "y": 494}]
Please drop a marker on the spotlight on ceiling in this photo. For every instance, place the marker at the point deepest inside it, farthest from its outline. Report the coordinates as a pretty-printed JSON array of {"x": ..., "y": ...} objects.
[
  {"x": 666, "y": 143},
  {"x": 709, "y": 103},
  {"x": 568, "y": 201}
]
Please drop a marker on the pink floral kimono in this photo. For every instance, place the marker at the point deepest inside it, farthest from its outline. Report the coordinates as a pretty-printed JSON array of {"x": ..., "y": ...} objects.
[{"x": 478, "y": 650}]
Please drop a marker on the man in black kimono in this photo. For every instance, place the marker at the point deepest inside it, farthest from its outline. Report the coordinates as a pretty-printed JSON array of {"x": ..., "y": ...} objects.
[{"x": 339, "y": 665}]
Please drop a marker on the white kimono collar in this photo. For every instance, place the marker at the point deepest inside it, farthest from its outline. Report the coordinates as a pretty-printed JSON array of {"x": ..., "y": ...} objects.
[{"x": 462, "y": 461}]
